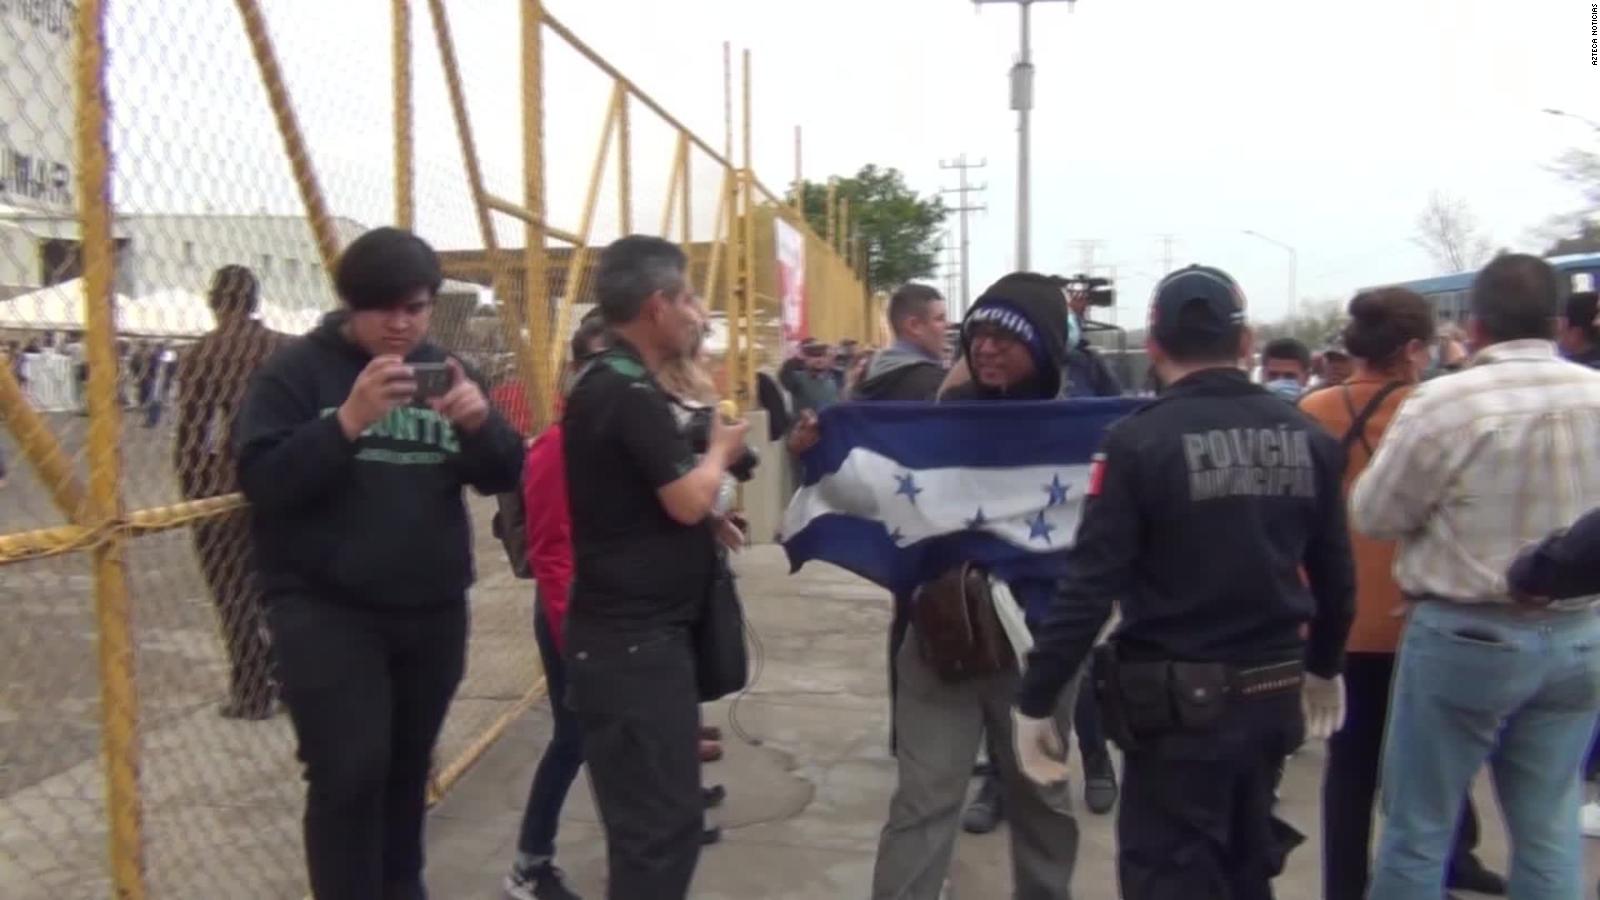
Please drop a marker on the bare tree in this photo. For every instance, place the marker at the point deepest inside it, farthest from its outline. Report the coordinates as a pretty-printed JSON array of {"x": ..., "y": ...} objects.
[
  {"x": 1318, "y": 324},
  {"x": 1449, "y": 232}
]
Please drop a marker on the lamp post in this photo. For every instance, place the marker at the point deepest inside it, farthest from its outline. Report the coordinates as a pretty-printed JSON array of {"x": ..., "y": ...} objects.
[
  {"x": 1294, "y": 265},
  {"x": 1022, "y": 102}
]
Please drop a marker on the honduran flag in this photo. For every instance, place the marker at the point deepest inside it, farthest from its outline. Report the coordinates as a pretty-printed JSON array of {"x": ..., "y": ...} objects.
[{"x": 898, "y": 493}]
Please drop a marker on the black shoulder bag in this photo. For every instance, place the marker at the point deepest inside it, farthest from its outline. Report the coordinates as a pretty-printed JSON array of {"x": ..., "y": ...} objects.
[{"x": 722, "y": 663}]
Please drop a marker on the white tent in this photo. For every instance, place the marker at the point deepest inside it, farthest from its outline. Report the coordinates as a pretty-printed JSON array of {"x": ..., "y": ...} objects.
[
  {"x": 169, "y": 312},
  {"x": 290, "y": 321},
  {"x": 58, "y": 307}
]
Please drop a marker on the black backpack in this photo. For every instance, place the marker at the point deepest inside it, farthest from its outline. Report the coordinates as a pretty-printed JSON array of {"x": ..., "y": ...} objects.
[{"x": 510, "y": 528}]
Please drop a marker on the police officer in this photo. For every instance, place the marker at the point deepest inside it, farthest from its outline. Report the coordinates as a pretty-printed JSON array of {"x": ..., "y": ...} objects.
[
  {"x": 1203, "y": 508},
  {"x": 645, "y": 557}
]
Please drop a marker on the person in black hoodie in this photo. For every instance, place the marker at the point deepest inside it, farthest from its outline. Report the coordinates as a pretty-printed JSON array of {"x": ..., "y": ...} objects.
[
  {"x": 364, "y": 550},
  {"x": 1014, "y": 341}
]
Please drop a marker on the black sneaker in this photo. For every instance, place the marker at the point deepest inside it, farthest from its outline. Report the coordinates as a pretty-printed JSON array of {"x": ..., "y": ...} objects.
[
  {"x": 1099, "y": 783},
  {"x": 1473, "y": 876},
  {"x": 986, "y": 811},
  {"x": 713, "y": 796},
  {"x": 708, "y": 836},
  {"x": 542, "y": 882}
]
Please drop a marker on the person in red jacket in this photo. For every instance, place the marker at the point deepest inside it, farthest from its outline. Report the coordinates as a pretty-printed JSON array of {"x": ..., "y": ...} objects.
[{"x": 534, "y": 875}]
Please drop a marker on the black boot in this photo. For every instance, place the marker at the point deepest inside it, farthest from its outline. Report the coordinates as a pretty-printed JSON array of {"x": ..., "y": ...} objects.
[
  {"x": 1099, "y": 783},
  {"x": 986, "y": 811}
]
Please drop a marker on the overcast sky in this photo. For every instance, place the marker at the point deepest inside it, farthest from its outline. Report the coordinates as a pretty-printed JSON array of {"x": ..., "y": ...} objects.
[{"x": 1323, "y": 125}]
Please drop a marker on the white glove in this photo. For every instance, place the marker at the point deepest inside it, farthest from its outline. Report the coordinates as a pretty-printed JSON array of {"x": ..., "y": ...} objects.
[
  {"x": 1322, "y": 704},
  {"x": 1041, "y": 755}
]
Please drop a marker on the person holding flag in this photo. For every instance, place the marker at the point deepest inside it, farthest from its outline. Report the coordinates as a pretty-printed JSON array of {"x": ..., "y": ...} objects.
[
  {"x": 904, "y": 532},
  {"x": 1202, "y": 509}
]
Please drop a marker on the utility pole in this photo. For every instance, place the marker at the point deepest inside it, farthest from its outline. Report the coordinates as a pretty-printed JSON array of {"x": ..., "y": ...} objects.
[
  {"x": 1166, "y": 253},
  {"x": 962, "y": 208},
  {"x": 947, "y": 250},
  {"x": 1086, "y": 251},
  {"x": 1022, "y": 102}
]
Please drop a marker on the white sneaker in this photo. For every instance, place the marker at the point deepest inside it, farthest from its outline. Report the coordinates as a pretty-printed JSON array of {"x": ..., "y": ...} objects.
[{"x": 1589, "y": 819}]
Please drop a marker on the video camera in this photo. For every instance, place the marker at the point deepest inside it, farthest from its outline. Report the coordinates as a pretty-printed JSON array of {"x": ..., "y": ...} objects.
[
  {"x": 698, "y": 431},
  {"x": 1099, "y": 291}
]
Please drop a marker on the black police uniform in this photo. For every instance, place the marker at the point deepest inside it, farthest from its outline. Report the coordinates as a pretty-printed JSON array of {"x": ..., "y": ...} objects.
[
  {"x": 641, "y": 581},
  {"x": 1202, "y": 510}
]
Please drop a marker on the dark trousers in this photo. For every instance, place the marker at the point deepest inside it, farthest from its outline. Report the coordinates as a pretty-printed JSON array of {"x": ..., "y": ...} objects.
[
  {"x": 1196, "y": 818},
  {"x": 638, "y": 707},
  {"x": 1086, "y": 721},
  {"x": 367, "y": 691},
  {"x": 563, "y": 756},
  {"x": 1591, "y": 764},
  {"x": 1350, "y": 782},
  {"x": 223, "y": 545},
  {"x": 899, "y": 627}
]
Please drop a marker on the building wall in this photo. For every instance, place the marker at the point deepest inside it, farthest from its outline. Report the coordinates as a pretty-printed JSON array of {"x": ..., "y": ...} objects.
[
  {"x": 181, "y": 251},
  {"x": 36, "y": 104}
]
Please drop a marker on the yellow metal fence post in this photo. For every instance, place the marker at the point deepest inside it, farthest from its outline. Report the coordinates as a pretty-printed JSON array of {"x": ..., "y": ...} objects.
[
  {"x": 578, "y": 266},
  {"x": 404, "y": 154},
  {"x": 40, "y": 447},
  {"x": 715, "y": 260},
  {"x": 527, "y": 365},
  {"x": 674, "y": 180},
  {"x": 624, "y": 167},
  {"x": 294, "y": 142},
  {"x": 832, "y": 210},
  {"x": 685, "y": 200},
  {"x": 535, "y": 279},
  {"x": 119, "y": 702},
  {"x": 744, "y": 391}
]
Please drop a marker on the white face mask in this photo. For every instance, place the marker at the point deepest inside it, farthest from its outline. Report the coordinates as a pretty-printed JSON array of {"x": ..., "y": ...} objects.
[{"x": 1287, "y": 388}]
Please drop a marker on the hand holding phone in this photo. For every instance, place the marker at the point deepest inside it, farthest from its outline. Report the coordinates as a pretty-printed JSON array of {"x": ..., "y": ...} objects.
[
  {"x": 434, "y": 380},
  {"x": 462, "y": 401}
]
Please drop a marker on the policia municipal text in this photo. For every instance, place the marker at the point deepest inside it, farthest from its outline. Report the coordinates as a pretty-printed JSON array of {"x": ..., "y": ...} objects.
[{"x": 1203, "y": 682}]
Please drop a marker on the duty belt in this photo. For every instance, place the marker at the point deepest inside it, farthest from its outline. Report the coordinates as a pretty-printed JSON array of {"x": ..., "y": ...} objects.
[{"x": 1263, "y": 680}]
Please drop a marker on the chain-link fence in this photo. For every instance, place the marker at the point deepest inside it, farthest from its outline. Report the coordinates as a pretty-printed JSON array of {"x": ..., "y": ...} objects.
[{"x": 162, "y": 167}]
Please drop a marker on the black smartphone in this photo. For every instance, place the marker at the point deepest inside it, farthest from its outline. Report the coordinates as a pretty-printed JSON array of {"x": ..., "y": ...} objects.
[{"x": 433, "y": 380}]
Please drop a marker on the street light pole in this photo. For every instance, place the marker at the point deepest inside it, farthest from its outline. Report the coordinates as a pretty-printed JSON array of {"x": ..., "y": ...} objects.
[
  {"x": 1022, "y": 102},
  {"x": 1294, "y": 266}
]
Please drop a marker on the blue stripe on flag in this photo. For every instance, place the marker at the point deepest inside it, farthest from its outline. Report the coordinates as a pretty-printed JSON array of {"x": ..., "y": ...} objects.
[
  {"x": 975, "y": 435},
  {"x": 840, "y": 519},
  {"x": 864, "y": 547}
]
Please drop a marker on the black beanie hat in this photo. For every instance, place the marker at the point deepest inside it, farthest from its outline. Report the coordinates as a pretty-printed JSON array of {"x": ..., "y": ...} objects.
[{"x": 1032, "y": 307}]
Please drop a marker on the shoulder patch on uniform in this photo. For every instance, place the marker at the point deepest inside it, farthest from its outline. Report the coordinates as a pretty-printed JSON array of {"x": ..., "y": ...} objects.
[
  {"x": 623, "y": 365},
  {"x": 1097, "y": 474}
]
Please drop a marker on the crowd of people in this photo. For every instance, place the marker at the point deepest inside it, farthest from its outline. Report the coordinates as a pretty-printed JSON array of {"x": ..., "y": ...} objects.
[
  {"x": 54, "y": 373},
  {"x": 1368, "y": 545}
]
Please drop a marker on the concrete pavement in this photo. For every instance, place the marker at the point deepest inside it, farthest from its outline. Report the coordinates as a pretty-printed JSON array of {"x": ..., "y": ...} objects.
[{"x": 809, "y": 791}]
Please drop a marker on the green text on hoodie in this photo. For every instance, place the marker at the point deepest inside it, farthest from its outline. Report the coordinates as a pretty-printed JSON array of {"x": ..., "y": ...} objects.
[{"x": 375, "y": 522}]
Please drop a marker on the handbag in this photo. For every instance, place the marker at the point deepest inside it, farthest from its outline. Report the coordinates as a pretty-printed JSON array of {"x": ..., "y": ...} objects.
[
  {"x": 958, "y": 633},
  {"x": 722, "y": 663}
]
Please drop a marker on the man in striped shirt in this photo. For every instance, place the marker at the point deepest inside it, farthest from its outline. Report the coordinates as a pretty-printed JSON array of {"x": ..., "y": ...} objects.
[{"x": 1476, "y": 465}]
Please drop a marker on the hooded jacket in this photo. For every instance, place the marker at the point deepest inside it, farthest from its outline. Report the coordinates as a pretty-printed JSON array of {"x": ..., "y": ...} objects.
[
  {"x": 900, "y": 372},
  {"x": 377, "y": 522},
  {"x": 1041, "y": 304}
]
